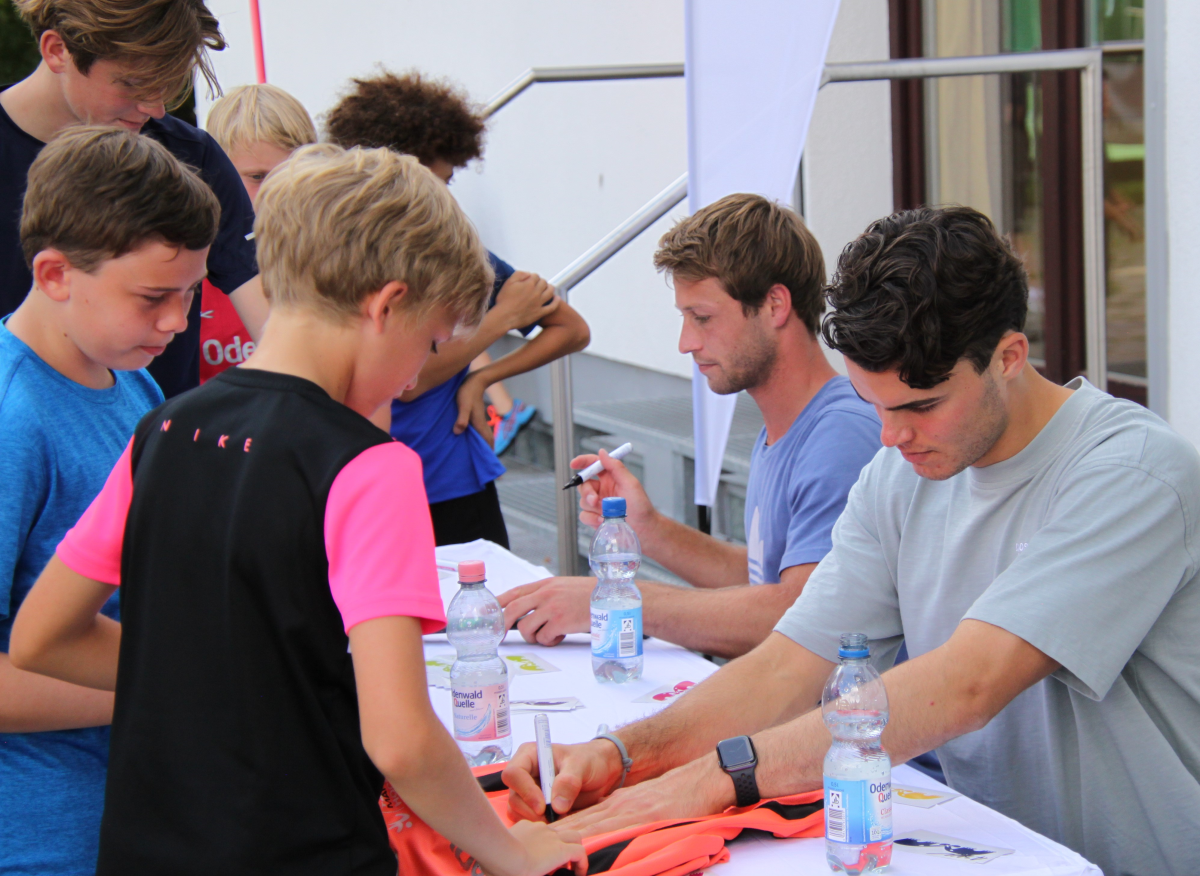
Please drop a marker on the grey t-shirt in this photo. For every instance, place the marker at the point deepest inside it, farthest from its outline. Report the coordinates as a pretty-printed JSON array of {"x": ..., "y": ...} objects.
[{"x": 1084, "y": 545}]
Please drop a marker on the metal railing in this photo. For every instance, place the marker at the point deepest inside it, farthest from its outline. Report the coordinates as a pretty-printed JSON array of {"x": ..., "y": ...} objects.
[
  {"x": 562, "y": 400},
  {"x": 1086, "y": 61},
  {"x": 579, "y": 74},
  {"x": 563, "y": 406}
]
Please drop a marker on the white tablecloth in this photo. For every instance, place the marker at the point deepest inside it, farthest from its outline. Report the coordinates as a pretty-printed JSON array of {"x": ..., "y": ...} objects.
[{"x": 669, "y": 665}]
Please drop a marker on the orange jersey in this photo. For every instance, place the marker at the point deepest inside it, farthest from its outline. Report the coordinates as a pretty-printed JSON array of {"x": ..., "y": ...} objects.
[{"x": 663, "y": 848}]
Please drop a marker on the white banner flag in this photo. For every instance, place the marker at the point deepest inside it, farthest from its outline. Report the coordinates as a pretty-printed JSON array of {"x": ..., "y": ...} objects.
[{"x": 753, "y": 71}]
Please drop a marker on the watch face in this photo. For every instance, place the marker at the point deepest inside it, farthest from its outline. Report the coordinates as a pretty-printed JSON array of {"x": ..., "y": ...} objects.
[{"x": 735, "y": 753}]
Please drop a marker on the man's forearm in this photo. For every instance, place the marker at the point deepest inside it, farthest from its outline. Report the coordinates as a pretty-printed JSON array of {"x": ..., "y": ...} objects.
[
  {"x": 772, "y": 683},
  {"x": 727, "y": 622},
  {"x": 699, "y": 559},
  {"x": 954, "y": 689}
]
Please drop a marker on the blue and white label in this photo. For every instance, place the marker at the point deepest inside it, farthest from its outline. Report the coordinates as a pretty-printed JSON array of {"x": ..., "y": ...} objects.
[
  {"x": 859, "y": 811},
  {"x": 617, "y": 632}
]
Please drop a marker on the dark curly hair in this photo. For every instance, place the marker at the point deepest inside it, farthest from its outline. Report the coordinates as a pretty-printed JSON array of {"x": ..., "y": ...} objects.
[
  {"x": 426, "y": 118},
  {"x": 922, "y": 289}
]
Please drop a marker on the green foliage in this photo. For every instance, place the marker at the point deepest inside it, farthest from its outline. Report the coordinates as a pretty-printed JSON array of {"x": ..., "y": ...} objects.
[{"x": 18, "y": 52}]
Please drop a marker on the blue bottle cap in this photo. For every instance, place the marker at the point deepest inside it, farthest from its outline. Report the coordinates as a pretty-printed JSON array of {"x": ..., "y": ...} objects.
[
  {"x": 612, "y": 506},
  {"x": 854, "y": 647}
]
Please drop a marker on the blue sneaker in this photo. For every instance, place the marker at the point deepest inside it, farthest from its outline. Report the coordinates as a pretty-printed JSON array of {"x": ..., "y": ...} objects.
[
  {"x": 511, "y": 424},
  {"x": 524, "y": 413}
]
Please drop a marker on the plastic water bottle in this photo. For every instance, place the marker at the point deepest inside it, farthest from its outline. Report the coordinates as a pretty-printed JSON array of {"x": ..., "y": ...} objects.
[
  {"x": 858, "y": 772},
  {"x": 478, "y": 678},
  {"x": 615, "y": 557}
]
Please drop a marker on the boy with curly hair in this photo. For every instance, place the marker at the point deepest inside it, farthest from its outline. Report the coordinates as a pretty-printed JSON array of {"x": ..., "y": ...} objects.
[{"x": 444, "y": 417}]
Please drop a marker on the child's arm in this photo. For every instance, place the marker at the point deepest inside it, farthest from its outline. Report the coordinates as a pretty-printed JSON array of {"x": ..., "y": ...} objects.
[
  {"x": 31, "y": 703},
  {"x": 60, "y": 632},
  {"x": 525, "y": 299},
  {"x": 409, "y": 745},
  {"x": 563, "y": 332}
]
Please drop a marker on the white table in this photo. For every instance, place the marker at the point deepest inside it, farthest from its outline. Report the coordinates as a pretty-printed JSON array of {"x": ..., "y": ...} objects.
[{"x": 668, "y": 665}]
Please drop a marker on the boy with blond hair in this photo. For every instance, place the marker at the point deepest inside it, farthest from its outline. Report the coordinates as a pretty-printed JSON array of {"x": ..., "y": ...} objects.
[
  {"x": 271, "y": 669},
  {"x": 258, "y": 127},
  {"x": 116, "y": 233},
  {"x": 122, "y": 63}
]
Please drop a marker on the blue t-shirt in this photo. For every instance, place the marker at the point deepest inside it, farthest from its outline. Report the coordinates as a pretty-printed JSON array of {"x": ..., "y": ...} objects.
[
  {"x": 58, "y": 441},
  {"x": 455, "y": 465},
  {"x": 231, "y": 259},
  {"x": 798, "y": 485}
]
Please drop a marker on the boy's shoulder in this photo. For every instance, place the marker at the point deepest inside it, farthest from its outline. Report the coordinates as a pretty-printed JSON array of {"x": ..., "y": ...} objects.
[
  {"x": 189, "y": 144},
  {"x": 169, "y": 131},
  {"x": 21, "y": 377},
  {"x": 33, "y": 396}
]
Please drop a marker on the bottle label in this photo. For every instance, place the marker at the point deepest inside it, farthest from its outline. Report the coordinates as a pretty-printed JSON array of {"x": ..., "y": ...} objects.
[
  {"x": 858, "y": 811},
  {"x": 481, "y": 713},
  {"x": 617, "y": 632}
]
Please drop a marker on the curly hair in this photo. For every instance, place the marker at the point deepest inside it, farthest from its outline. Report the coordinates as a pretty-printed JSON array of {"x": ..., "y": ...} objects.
[
  {"x": 425, "y": 118},
  {"x": 922, "y": 289}
]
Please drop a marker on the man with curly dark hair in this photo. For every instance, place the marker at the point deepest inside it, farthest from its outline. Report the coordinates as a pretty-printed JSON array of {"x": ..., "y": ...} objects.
[
  {"x": 1034, "y": 545},
  {"x": 444, "y": 418}
]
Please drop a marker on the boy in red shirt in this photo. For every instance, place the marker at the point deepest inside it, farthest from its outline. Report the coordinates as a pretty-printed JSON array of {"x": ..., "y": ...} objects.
[
  {"x": 258, "y": 126},
  {"x": 275, "y": 557}
]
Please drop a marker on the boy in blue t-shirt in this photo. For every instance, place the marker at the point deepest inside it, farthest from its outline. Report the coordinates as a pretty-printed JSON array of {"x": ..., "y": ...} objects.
[
  {"x": 444, "y": 418},
  {"x": 116, "y": 232}
]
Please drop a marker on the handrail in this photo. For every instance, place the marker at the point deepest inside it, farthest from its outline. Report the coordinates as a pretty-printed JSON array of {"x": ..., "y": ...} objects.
[
  {"x": 971, "y": 65},
  {"x": 615, "y": 240},
  {"x": 599, "y": 73},
  {"x": 562, "y": 396}
]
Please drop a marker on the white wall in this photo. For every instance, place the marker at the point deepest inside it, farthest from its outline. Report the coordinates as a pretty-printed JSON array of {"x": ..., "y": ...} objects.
[
  {"x": 565, "y": 163},
  {"x": 848, "y": 158},
  {"x": 1182, "y": 205}
]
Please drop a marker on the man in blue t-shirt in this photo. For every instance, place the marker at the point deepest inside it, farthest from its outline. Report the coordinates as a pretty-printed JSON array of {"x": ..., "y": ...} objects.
[
  {"x": 152, "y": 62},
  {"x": 748, "y": 279}
]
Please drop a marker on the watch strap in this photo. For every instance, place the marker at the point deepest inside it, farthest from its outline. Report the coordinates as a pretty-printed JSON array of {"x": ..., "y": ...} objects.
[{"x": 745, "y": 786}]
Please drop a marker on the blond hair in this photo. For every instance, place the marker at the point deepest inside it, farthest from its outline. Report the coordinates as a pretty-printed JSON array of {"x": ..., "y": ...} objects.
[
  {"x": 260, "y": 113},
  {"x": 96, "y": 193},
  {"x": 335, "y": 225},
  {"x": 163, "y": 41}
]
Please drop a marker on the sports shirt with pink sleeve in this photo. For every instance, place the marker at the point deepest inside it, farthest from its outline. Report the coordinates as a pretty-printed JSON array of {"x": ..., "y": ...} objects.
[{"x": 378, "y": 537}]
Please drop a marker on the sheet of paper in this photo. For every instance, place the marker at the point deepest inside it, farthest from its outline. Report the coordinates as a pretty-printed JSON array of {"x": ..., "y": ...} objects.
[
  {"x": 505, "y": 570},
  {"x": 926, "y": 842},
  {"x": 437, "y": 672},
  {"x": 550, "y": 704},
  {"x": 922, "y": 798},
  {"x": 528, "y": 664},
  {"x": 666, "y": 693}
]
